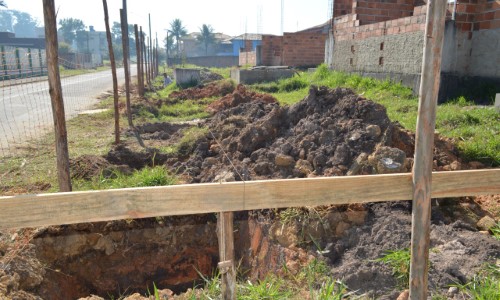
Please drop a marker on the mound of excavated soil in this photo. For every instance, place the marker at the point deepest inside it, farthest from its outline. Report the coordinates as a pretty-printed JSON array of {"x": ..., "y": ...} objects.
[
  {"x": 215, "y": 89},
  {"x": 321, "y": 135},
  {"x": 239, "y": 96}
]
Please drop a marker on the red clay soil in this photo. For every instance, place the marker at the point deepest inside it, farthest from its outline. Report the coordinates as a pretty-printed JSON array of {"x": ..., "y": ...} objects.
[
  {"x": 214, "y": 89},
  {"x": 239, "y": 96}
]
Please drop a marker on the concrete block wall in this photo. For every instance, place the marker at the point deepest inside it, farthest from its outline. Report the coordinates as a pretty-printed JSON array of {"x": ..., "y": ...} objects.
[{"x": 395, "y": 53}]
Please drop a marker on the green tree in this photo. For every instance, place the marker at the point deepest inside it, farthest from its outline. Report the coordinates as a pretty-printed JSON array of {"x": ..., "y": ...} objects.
[
  {"x": 2, "y": 3},
  {"x": 64, "y": 48},
  {"x": 116, "y": 31},
  {"x": 69, "y": 27},
  {"x": 169, "y": 43},
  {"x": 206, "y": 37},
  {"x": 24, "y": 24},
  {"x": 177, "y": 30},
  {"x": 6, "y": 20}
]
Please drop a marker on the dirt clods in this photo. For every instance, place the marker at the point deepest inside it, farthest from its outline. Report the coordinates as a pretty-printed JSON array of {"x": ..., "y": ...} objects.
[{"x": 320, "y": 135}]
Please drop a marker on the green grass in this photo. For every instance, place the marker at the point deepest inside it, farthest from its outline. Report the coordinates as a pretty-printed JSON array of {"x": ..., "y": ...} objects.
[
  {"x": 149, "y": 176},
  {"x": 399, "y": 261},
  {"x": 483, "y": 286},
  {"x": 476, "y": 129},
  {"x": 495, "y": 230},
  {"x": 184, "y": 111},
  {"x": 74, "y": 72}
]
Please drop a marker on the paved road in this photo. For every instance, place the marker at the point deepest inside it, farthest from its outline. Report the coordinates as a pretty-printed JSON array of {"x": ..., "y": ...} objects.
[{"x": 25, "y": 109}]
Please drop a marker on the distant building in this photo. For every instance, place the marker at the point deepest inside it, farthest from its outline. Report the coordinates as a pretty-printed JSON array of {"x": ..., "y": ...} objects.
[
  {"x": 21, "y": 57},
  {"x": 191, "y": 47},
  {"x": 9, "y": 39}
]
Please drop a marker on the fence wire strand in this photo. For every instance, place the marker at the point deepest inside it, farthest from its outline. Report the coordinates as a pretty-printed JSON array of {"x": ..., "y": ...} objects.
[{"x": 25, "y": 104}]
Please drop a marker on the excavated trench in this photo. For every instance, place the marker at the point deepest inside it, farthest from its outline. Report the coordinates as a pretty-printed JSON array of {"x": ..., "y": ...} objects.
[{"x": 250, "y": 137}]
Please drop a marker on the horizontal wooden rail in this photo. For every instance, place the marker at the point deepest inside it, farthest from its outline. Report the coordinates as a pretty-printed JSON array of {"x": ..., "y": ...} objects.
[{"x": 94, "y": 206}]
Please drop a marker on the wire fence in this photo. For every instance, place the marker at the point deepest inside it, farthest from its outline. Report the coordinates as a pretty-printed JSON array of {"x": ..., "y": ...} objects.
[{"x": 25, "y": 104}]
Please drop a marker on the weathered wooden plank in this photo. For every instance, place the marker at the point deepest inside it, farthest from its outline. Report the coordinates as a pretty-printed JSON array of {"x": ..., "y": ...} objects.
[
  {"x": 227, "y": 269},
  {"x": 424, "y": 143},
  {"x": 93, "y": 206}
]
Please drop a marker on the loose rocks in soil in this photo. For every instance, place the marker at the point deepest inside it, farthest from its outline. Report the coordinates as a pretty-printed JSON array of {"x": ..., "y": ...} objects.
[{"x": 320, "y": 135}]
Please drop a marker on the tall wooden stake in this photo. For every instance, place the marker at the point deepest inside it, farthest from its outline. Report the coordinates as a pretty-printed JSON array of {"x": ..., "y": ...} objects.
[
  {"x": 226, "y": 255},
  {"x": 148, "y": 66},
  {"x": 151, "y": 51},
  {"x": 126, "y": 65},
  {"x": 113, "y": 72},
  {"x": 140, "y": 84},
  {"x": 56, "y": 96},
  {"x": 424, "y": 141},
  {"x": 145, "y": 74},
  {"x": 157, "y": 56}
]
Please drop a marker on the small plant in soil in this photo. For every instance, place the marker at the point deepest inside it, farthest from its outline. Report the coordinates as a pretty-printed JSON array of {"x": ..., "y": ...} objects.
[
  {"x": 399, "y": 261},
  {"x": 333, "y": 290},
  {"x": 483, "y": 286},
  {"x": 495, "y": 231},
  {"x": 271, "y": 287}
]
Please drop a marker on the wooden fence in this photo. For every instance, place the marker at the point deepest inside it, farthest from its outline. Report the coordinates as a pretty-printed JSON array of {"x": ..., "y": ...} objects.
[{"x": 420, "y": 186}]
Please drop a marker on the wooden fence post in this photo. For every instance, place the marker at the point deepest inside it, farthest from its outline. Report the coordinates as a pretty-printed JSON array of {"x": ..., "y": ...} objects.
[
  {"x": 113, "y": 72},
  {"x": 140, "y": 84},
  {"x": 56, "y": 96},
  {"x": 146, "y": 60},
  {"x": 126, "y": 66},
  {"x": 226, "y": 255},
  {"x": 424, "y": 141},
  {"x": 152, "y": 76}
]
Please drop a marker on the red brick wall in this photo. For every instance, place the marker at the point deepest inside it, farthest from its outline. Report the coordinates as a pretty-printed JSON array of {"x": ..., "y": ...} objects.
[
  {"x": 248, "y": 58},
  {"x": 303, "y": 49},
  {"x": 374, "y": 11},
  {"x": 342, "y": 7},
  {"x": 349, "y": 30},
  {"x": 475, "y": 15},
  {"x": 272, "y": 50}
]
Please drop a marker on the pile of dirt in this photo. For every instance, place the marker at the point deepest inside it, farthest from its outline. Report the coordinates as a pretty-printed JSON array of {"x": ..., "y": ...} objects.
[
  {"x": 321, "y": 135},
  {"x": 214, "y": 89},
  {"x": 207, "y": 76},
  {"x": 239, "y": 96}
]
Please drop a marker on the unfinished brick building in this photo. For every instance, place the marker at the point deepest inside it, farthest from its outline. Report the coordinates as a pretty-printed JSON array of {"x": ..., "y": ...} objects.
[
  {"x": 304, "y": 48},
  {"x": 385, "y": 38}
]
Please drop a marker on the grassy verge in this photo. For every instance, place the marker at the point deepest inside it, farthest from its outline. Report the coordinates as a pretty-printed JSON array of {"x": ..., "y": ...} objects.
[
  {"x": 74, "y": 72},
  {"x": 476, "y": 129}
]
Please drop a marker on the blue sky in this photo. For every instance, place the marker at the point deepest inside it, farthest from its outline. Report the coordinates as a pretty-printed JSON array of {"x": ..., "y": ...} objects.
[{"x": 232, "y": 17}]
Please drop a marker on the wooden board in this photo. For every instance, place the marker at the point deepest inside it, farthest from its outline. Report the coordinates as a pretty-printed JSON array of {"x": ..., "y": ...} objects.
[{"x": 94, "y": 206}]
